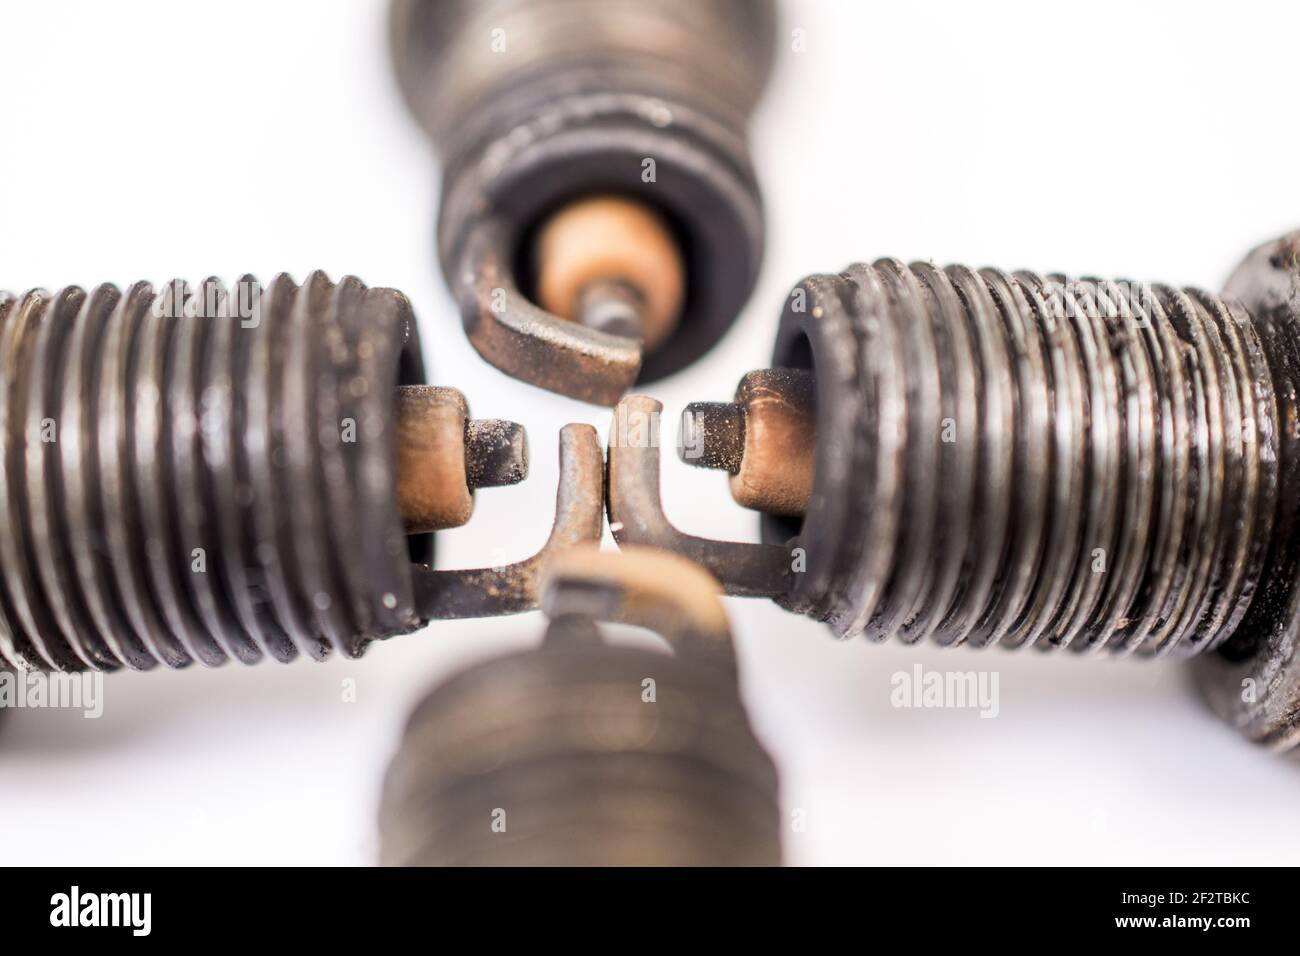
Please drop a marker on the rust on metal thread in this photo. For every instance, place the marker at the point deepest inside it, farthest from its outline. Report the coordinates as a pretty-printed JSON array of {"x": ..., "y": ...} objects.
[
  {"x": 1030, "y": 460},
  {"x": 244, "y": 432}
]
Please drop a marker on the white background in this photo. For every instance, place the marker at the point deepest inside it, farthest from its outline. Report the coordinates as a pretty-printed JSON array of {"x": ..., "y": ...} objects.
[{"x": 1157, "y": 141}]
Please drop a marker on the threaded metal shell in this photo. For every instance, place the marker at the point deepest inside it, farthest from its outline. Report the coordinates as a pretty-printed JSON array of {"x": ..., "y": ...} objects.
[
  {"x": 1026, "y": 460},
  {"x": 457, "y": 59},
  {"x": 555, "y": 757},
  {"x": 200, "y": 475}
]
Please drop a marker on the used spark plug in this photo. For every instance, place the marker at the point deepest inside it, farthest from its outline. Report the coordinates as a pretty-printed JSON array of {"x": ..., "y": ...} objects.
[
  {"x": 203, "y": 475},
  {"x": 980, "y": 458},
  {"x": 600, "y": 221},
  {"x": 581, "y": 753}
]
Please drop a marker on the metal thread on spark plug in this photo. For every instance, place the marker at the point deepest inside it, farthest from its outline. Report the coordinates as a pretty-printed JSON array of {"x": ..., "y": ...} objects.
[
  {"x": 1048, "y": 463},
  {"x": 176, "y": 478},
  {"x": 203, "y": 475},
  {"x": 1024, "y": 461}
]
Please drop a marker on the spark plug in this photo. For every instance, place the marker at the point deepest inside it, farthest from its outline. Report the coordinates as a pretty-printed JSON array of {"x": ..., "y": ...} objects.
[
  {"x": 600, "y": 221},
  {"x": 978, "y": 458},
  {"x": 203, "y": 474},
  {"x": 584, "y": 753}
]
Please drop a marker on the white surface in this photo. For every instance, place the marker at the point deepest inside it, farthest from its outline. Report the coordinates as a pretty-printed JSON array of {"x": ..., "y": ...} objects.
[{"x": 147, "y": 140}]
